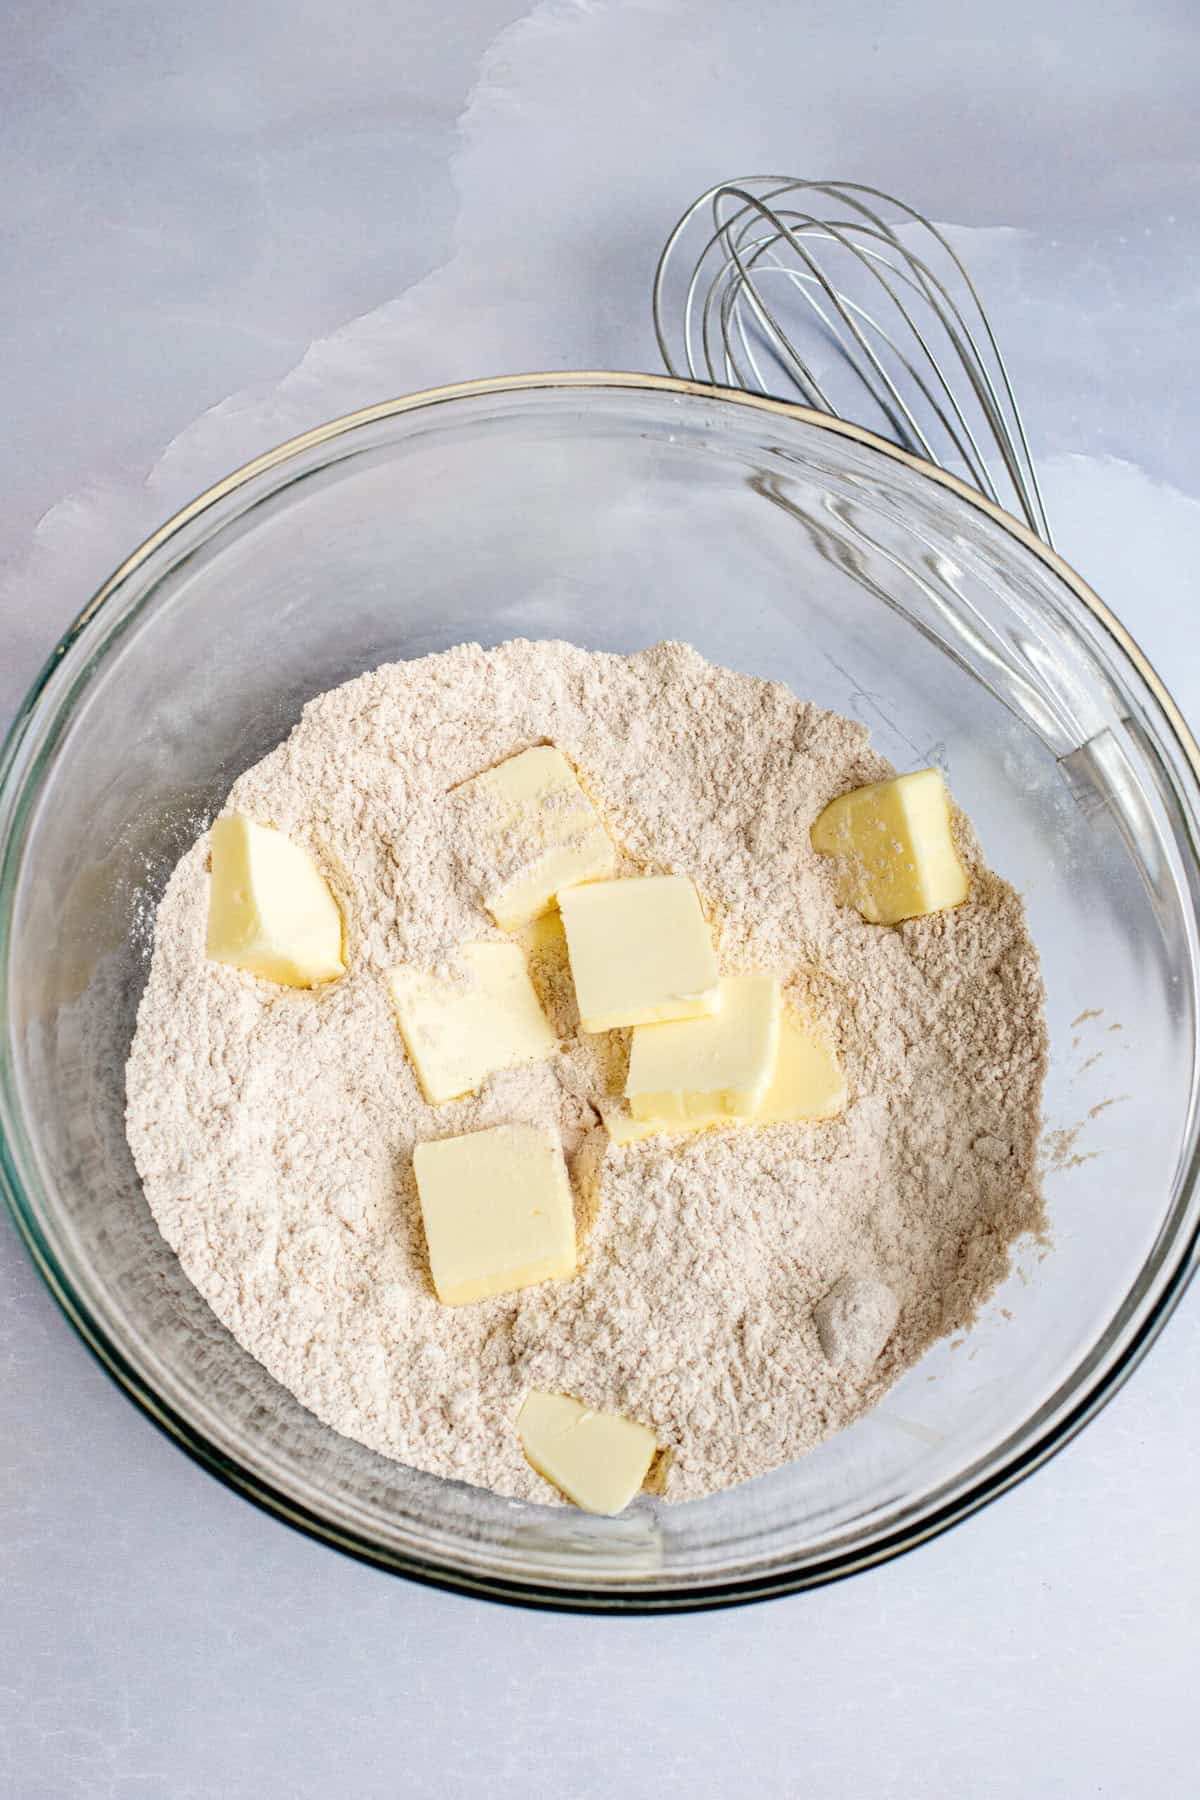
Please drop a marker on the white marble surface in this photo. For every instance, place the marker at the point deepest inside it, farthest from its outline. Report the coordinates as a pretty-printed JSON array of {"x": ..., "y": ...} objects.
[{"x": 221, "y": 223}]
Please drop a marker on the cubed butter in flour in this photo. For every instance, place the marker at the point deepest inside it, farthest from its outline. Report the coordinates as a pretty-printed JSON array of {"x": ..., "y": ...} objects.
[
  {"x": 720, "y": 1064},
  {"x": 598, "y": 1460},
  {"x": 270, "y": 911},
  {"x": 538, "y": 832},
  {"x": 497, "y": 1211},
  {"x": 808, "y": 1084},
  {"x": 462, "y": 1027},
  {"x": 640, "y": 952},
  {"x": 897, "y": 848}
]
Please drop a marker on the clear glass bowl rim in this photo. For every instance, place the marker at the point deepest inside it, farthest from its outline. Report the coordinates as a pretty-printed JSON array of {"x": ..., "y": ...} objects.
[{"x": 998, "y": 1479}]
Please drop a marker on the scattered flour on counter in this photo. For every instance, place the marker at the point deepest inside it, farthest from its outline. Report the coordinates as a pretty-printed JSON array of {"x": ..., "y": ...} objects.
[{"x": 273, "y": 1129}]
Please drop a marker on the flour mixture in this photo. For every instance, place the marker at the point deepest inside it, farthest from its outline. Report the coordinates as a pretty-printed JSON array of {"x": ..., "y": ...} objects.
[{"x": 740, "y": 1292}]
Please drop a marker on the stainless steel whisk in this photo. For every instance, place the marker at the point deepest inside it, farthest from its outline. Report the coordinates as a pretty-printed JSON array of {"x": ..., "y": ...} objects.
[{"x": 801, "y": 286}]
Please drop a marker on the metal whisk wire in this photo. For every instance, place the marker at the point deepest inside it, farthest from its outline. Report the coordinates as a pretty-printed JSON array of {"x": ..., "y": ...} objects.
[{"x": 762, "y": 232}]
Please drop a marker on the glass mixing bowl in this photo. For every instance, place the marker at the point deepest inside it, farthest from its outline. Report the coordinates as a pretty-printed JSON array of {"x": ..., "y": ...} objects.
[{"x": 615, "y": 510}]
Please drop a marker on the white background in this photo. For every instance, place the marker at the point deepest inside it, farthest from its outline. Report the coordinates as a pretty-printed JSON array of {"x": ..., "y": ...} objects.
[{"x": 222, "y": 222}]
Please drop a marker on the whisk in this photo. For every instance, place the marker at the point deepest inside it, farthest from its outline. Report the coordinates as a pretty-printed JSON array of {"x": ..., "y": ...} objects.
[{"x": 848, "y": 299}]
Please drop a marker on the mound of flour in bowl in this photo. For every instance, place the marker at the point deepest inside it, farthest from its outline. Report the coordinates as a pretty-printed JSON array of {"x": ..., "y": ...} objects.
[{"x": 274, "y": 1128}]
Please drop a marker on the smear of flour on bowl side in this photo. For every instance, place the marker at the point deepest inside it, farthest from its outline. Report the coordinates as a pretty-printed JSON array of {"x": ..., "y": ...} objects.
[{"x": 273, "y": 1129}]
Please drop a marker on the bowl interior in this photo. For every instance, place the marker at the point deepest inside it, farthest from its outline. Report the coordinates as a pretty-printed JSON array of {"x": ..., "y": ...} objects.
[{"x": 615, "y": 513}]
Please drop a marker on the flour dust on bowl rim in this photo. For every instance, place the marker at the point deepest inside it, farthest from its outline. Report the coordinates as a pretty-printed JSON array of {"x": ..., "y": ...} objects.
[{"x": 615, "y": 510}]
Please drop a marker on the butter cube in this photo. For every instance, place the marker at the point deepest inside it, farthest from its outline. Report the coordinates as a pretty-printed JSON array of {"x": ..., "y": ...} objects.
[
  {"x": 536, "y": 832},
  {"x": 808, "y": 1084},
  {"x": 895, "y": 837},
  {"x": 497, "y": 1211},
  {"x": 269, "y": 909},
  {"x": 460, "y": 1031},
  {"x": 722, "y": 1064},
  {"x": 599, "y": 1460},
  {"x": 640, "y": 952}
]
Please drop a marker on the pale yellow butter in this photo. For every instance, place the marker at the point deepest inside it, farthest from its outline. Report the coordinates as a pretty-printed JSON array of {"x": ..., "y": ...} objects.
[
  {"x": 808, "y": 1084},
  {"x": 598, "y": 1460},
  {"x": 460, "y": 1031},
  {"x": 269, "y": 909},
  {"x": 538, "y": 831},
  {"x": 640, "y": 952},
  {"x": 897, "y": 847},
  {"x": 721, "y": 1064},
  {"x": 497, "y": 1211}
]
